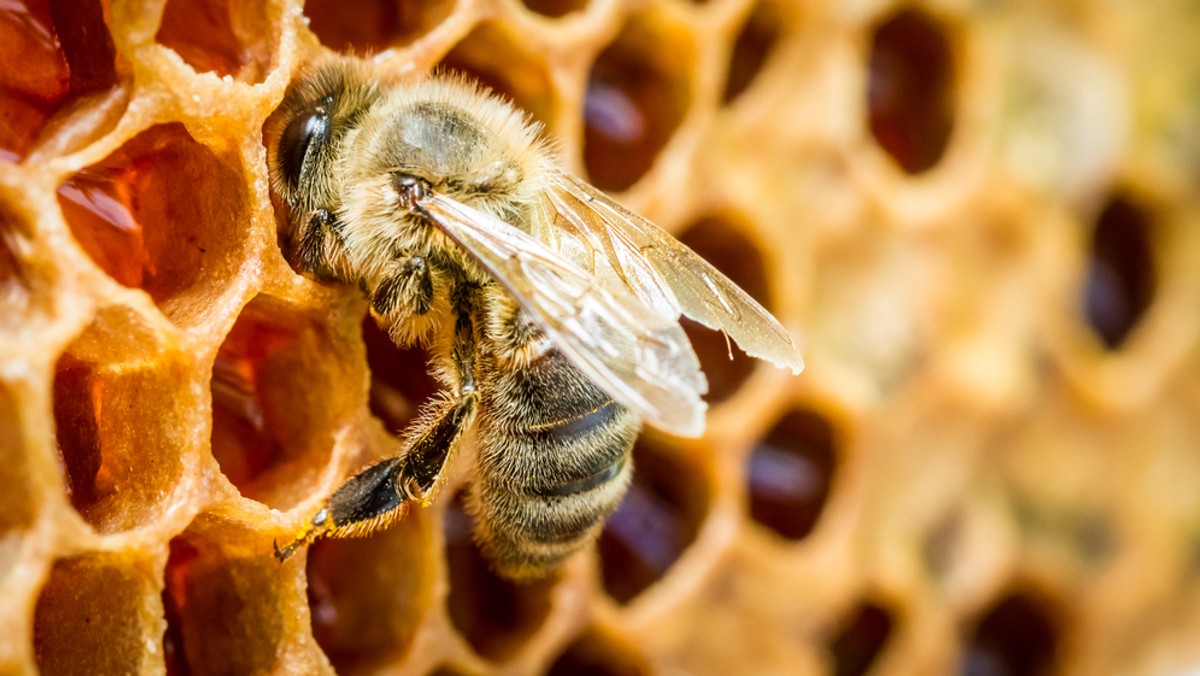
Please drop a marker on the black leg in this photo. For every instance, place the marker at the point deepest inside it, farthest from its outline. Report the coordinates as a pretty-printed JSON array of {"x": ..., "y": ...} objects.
[
  {"x": 319, "y": 241},
  {"x": 407, "y": 292}
]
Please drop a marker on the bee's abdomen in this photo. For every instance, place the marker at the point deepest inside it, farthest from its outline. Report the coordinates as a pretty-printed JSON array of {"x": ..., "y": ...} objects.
[{"x": 554, "y": 461}]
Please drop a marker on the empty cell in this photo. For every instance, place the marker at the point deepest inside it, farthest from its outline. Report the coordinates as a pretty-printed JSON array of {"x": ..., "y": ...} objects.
[
  {"x": 97, "y": 615},
  {"x": 638, "y": 92},
  {"x": 752, "y": 47},
  {"x": 911, "y": 89},
  {"x": 359, "y": 26},
  {"x": 1121, "y": 276},
  {"x": 400, "y": 379},
  {"x": 857, "y": 646},
  {"x": 790, "y": 472},
  {"x": 520, "y": 76},
  {"x": 228, "y": 609},
  {"x": 598, "y": 654},
  {"x": 555, "y": 8},
  {"x": 219, "y": 36},
  {"x": 658, "y": 520},
  {"x": 368, "y": 596},
  {"x": 121, "y": 416},
  {"x": 1017, "y": 636},
  {"x": 495, "y": 615},
  {"x": 720, "y": 242},
  {"x": 164, "y": 214},
  {"x": 277, "y": 401}
]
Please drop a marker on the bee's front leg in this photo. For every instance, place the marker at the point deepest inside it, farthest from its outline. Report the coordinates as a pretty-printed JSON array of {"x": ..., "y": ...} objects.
[
  {"x": 319, "y": 245},
  {"x": 406, "y": 292}
]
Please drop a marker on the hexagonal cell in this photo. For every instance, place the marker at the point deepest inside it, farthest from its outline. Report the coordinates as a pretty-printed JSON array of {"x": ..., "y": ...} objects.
[
  {"x": 1121, "y": 277},
  {"x": 164, "y": 214},
  {"x": 555, "y": 8},
  {"x": 658, "y": 520},
  {"x": 599, "y": 654},
  {"x": 639, "y": 90},
  {"x": 99, "y": 615},
  {"x": 520, "y": 76},
  {"x": 495, "y": 615},
  {"x": 752, "y": 47},
  {"x": 400, "y": 379},
  {"x": 228, "y": 608},
  {"x": 279, "y": 395},
  {"x": 219, "y": 36},
  {"x": 120, "y": 412},
  {"x": 911, "y": 95},
  {"x": 790, "y": 473},
  {"x": 1017, "y": 636},
  {"x": 719, "y": 241},
  {"x": 17, "y": 507},
  {"x": 373, "y": 25},
  {"x": 369, "y": 596},
  {"x": 65, "y": 52},
  {"x": 858, "y": 644}
]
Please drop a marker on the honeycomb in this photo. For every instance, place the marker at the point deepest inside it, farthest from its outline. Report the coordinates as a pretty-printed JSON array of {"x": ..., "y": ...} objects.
[{"x": 981, "y": 219}]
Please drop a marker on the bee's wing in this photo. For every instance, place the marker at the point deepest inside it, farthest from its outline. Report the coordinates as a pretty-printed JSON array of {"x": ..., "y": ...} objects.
[
  {"x": 639, "y": 357},
  {"x": 614, "y": 243}
]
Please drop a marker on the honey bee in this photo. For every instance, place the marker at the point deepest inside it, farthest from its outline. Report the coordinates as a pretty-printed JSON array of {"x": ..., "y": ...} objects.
[{"x": 550, "y": 311}]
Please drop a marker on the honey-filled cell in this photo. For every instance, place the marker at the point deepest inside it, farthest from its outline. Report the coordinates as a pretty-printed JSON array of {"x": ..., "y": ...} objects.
[
  {"x": 361, "y": 26},
  {"x": 219, "y": 36}
]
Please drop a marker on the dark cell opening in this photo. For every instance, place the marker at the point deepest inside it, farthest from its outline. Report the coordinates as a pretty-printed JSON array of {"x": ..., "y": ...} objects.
[
  {"x": 1121, "y": 278},
  {"x": 555, "y": 8},
  {"x": 1018, "y": 636},
  {"x": 595, "y": 654},
  {"x": 400, "y": 380},
  {"x": 520, "y": 76},
  {"x": 29, "y": 95},
  {"x": 225, "y": 612},
  {"x": 860, "y": 642},
  {"x": 911, "y": 89},
  {"x": 495, "y": 615},
  {"x": 218, "y": 36},
  {"x": 367, "y": 596},
  {"x": 790, "y": 474},
  {"x": 162, "y": 213},
  {"x": 121, "y": 467},
  {"x": 637, "y": 94},
  {"x": 275, "y": 404},
  {"x": 751, "y": 49},
  {"x": 658, "y": 520},
  {"x": 90, "y": 618},
  {"x": 358, "y": 26},
  {"x": 721, "y": 243}
]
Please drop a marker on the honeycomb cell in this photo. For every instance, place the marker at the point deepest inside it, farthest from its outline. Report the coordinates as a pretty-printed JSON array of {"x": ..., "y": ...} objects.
[
  {"x": 910, "y": 97},
  {"x": 17, "y": 507},
  {"x": 1017, "y": 636},
  {"x": 659, "y": 519},
  {"x": 555, "y": 8},
  {"x": 373, "y": 25},
  {"x": 638, "y": 92},
  {"x": 1121, "y": 278},
  {"x": 164, "y": 214},
  {"x": 219, "y": 36},
  {"x": 29, "y": 95},
  {"x": 86, "y": 43},
  {"x": 228, "y": 609},
  {"x": 790, "y": 472},
  {"x": 721, "y": 243},
  {"x": 752, "y": 47},
  {"x": 400, "y": 379},
  {"x": 277, "y": 401},
  {"x": 97, "y": 615},
  {"x": 368, "y": 597},
  {"x": 495, "y": 615},
  {"x": 857, "y": 646},
  {"x": 521, "y": 76},
  {"x": 121, "y": 416},
  {"x": 598, "y": 654}
]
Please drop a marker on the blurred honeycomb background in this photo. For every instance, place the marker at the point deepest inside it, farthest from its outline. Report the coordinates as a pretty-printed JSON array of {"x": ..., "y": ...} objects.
[{"x": 981, "y": 219}]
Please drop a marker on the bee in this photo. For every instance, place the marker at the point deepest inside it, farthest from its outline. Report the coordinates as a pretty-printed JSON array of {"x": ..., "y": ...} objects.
[{"x": 551, "y": 313}]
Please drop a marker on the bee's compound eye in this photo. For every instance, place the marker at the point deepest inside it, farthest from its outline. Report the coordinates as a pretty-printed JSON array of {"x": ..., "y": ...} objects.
[{"x": 298, "y": 137}]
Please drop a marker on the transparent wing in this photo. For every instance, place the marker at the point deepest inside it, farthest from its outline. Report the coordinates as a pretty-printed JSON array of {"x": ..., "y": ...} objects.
[
  {"x": 637, "y": 355},
  {"x": 623, "y": 249}
]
